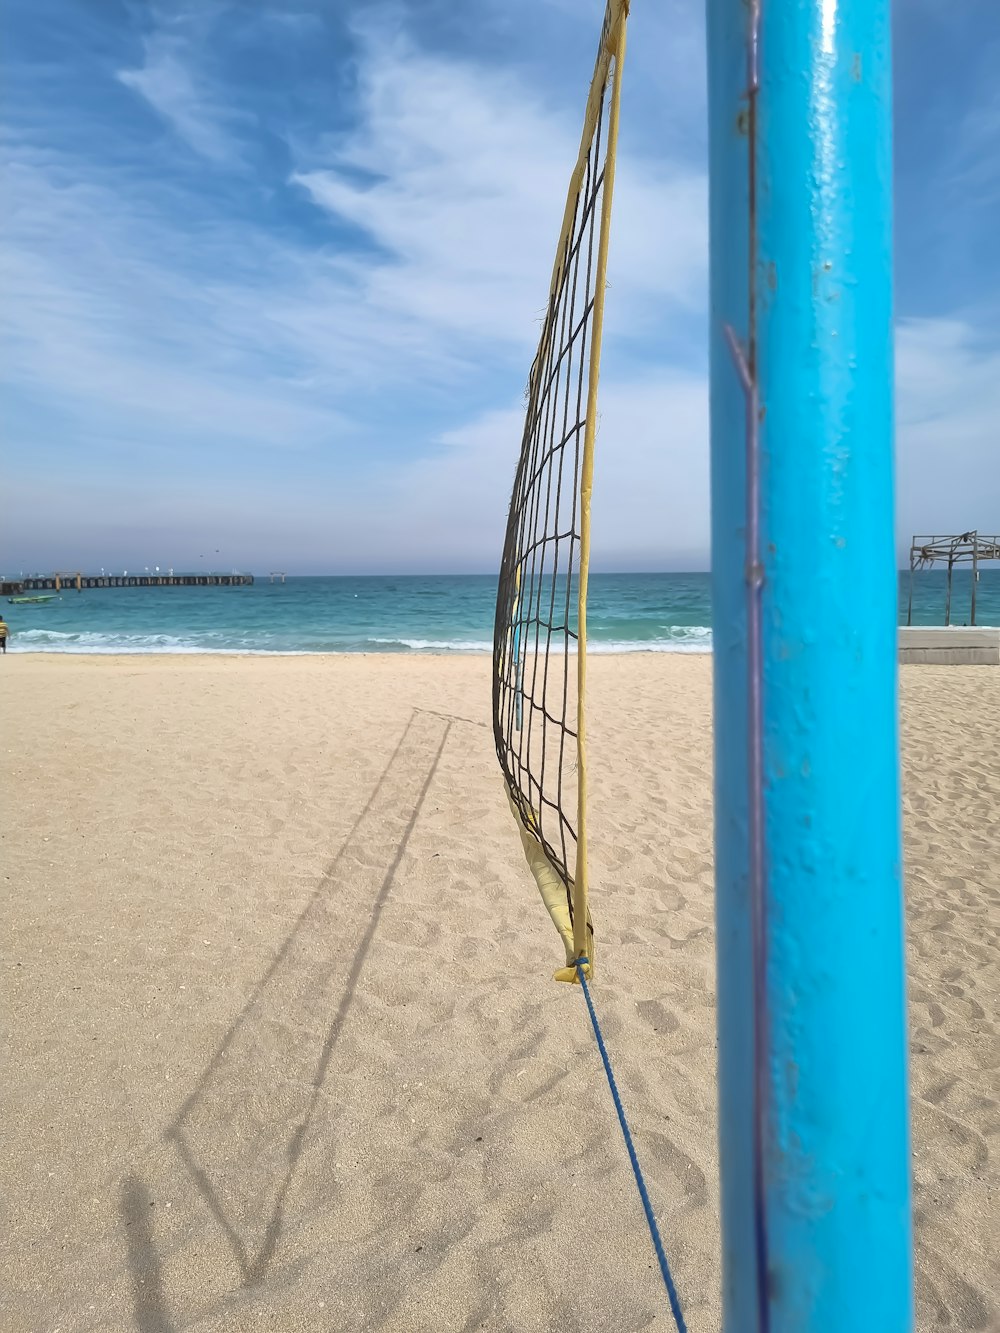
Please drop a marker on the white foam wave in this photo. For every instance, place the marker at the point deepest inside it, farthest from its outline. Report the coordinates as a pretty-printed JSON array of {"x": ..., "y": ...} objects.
[
  {"x": 678, "y": 639},
  {"x": 439, "y": 645},
  {"x": 116, "y": 645},
  {"x": 694, "y": 644},
  {"x": 690, "y": 639}
]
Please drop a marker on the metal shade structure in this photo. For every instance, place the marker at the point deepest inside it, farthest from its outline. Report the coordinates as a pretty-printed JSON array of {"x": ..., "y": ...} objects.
[{"x": 969, "y": 548}]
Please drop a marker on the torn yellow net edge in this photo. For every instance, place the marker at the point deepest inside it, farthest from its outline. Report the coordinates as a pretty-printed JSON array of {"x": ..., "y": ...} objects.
[{"x": 567, "y": 903}]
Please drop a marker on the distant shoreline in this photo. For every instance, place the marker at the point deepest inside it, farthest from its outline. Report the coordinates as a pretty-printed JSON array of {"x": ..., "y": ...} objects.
[{"x": 227, "y": 653}]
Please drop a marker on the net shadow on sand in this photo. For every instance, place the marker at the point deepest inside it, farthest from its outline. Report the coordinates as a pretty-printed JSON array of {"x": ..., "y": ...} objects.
[{"x": 240, "y": 1133}]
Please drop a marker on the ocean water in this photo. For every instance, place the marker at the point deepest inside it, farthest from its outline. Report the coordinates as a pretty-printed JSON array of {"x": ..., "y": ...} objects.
[{"x": 447, "y": 613}]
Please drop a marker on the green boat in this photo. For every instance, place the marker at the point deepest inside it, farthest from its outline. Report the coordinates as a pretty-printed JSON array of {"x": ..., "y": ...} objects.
[{"x": 34, "y": 601}]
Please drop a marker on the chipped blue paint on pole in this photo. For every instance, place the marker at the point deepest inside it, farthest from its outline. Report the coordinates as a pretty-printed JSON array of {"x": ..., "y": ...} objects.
[{"x": 814, "y": 1137}]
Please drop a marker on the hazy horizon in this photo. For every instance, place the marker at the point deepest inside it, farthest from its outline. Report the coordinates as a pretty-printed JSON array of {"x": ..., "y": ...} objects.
[{"x": 989, "y": 570}]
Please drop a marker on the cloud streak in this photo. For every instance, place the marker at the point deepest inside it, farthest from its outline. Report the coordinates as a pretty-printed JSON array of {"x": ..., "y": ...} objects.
[
  {"x": 456, "y": 175},
  {"x": 167, "y": 82}
]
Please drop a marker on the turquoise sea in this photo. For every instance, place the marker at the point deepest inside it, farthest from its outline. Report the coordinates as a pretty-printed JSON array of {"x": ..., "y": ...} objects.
[{"x": 446, "y": 613}]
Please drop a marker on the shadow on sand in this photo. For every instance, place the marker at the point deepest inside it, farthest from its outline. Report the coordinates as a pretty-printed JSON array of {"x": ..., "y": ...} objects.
[
  {"x": 136, "y": 1207},
  {"x": 240, "y": 1133}
]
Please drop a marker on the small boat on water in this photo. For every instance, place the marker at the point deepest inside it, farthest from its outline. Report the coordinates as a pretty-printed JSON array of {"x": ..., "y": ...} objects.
[{"x": 34, "y": 601}]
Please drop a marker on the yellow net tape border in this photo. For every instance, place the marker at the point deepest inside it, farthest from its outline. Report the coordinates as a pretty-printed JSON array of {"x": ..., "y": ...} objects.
[
  {"x": 612, "y": 49},
  {"x": 576, "y": 928}
]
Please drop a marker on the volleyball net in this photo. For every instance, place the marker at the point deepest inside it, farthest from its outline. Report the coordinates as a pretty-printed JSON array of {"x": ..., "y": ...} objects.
[{"x": 540, "y": 633}]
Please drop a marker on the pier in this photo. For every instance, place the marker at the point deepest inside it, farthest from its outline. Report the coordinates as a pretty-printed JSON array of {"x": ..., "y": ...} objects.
[{"x": 75, "y": 580}]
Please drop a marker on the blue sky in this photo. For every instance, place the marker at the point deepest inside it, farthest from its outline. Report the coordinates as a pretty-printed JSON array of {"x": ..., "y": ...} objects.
[{"x": 274, "y": 273}]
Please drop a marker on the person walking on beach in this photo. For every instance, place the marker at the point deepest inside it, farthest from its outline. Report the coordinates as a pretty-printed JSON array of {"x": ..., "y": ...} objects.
[{"x": 4, "y": 631}]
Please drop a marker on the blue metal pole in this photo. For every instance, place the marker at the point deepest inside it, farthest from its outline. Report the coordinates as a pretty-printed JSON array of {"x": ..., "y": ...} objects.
[
  {"x": 814, "y": 1135},
  {"x": 729, "y": 303}
]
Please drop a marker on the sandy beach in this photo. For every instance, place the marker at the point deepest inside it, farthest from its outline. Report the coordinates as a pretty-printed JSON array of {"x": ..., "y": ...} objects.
[{"x": 282, "y": 1047}]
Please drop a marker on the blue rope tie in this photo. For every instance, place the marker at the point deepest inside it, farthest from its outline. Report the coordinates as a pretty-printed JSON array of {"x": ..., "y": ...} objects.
[{"x": 647, "y": 1206}]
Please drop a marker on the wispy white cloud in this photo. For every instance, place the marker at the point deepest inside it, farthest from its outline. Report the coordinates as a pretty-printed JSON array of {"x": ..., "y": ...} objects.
[
  {"x": 131, "y": 347},
  {"x": 456, "y": 173},
  {"x": 168, "y": 82}
]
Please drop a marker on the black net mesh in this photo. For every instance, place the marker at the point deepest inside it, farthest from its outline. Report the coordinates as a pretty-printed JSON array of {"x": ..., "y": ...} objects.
[{"x": 536, "y": 629}]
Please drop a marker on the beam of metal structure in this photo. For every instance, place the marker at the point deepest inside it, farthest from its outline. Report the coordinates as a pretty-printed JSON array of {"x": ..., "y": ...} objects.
[{"x": 814, "y": 1137}]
